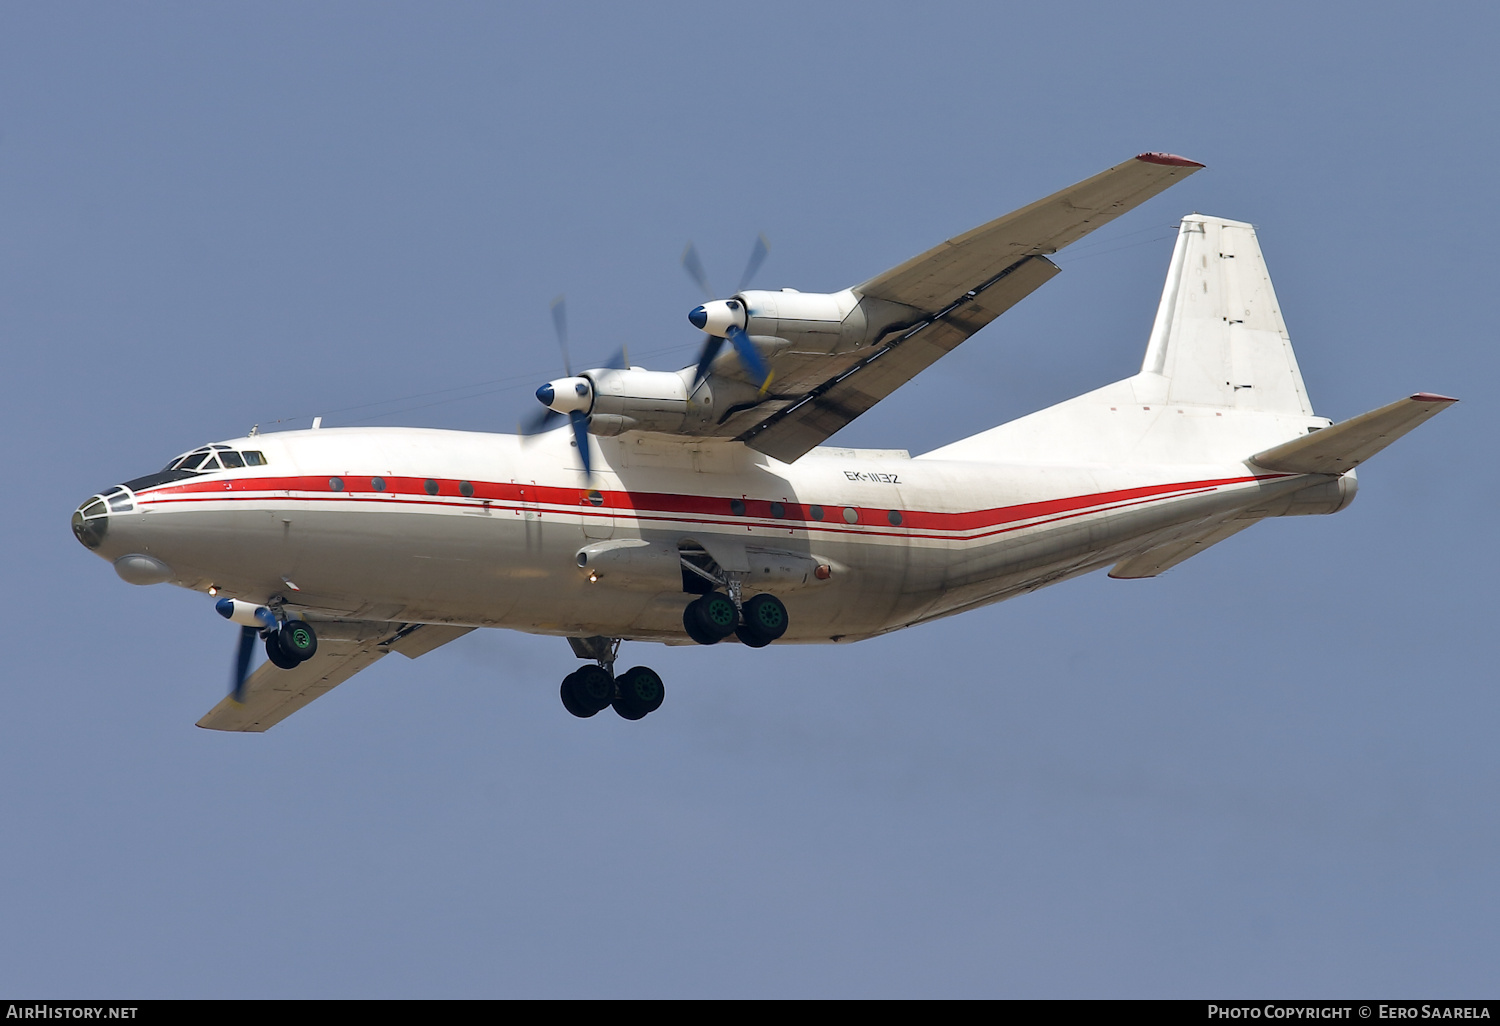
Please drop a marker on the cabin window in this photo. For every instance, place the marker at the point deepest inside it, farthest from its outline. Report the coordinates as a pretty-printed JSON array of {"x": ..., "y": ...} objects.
[
  {"x": 336, "y": 484},
  {"x": 377, "y": 483},
  {"x": 430, "y": 487},
  {"x": 851, "y": 515},
  {"x": 466, "y": 489},
  {"x": 816, "y": 511},
  {"x": 894, "y": 516},
  {"x": 737, "y": 507},
  {"x": 778, "y": 510}
]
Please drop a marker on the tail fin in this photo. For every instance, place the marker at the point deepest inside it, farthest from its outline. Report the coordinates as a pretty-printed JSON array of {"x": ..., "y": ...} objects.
[{"x": 1219, "y": 338}]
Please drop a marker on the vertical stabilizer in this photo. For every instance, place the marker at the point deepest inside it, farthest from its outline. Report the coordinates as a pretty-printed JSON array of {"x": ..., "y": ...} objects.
[{"x": 1219, "y": 339}]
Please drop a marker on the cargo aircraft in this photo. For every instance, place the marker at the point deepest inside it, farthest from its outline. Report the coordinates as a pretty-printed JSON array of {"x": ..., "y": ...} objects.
[{"x": 700, "y": 506}]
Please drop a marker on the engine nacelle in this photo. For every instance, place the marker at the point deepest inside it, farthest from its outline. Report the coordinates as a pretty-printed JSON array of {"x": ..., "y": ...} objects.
[
  {"x": 640, "y": 400},
  {"x": 819, "y": 322},
  {"x": 247, "y": 614},
  {"x": 801, "y": 317}
]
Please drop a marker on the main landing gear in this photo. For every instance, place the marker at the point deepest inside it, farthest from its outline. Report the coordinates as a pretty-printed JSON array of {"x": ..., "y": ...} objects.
[
  {"x": 634, "y": 694},
  {"x": 291, "y": 643},
  {"x": 711, "y": 618}
]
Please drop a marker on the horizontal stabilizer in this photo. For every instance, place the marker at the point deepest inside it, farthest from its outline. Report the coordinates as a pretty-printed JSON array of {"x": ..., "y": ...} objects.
[
  {"x": 1164, "y": 557},
  {"x": 1344, "y": 446}
]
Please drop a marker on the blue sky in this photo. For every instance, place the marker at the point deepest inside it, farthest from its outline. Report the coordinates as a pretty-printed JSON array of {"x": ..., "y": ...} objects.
[{"x": 1271, "y": 771}]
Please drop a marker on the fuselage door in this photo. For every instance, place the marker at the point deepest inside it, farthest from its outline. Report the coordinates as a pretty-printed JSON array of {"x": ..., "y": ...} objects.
[
  {"x": 529, "y": 509},
  {"x": 598, "y": 518}
]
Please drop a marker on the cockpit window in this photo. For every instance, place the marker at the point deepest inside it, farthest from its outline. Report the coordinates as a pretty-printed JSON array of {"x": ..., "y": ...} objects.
[
  {"x": 188, "y": 462},
  {"x": 209, "y": 458}
]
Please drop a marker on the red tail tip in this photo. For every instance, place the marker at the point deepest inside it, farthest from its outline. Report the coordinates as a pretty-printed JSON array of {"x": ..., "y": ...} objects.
[
  {"x": 1170, "y": 159},
  {"x": 1433, "y": 397}
]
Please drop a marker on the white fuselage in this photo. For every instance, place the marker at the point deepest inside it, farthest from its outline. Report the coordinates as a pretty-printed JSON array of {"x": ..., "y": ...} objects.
[{"x": 485, "y": 530}]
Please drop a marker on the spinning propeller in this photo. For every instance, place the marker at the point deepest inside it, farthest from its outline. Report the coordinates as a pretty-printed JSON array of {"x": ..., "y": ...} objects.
[
  {"x": 230, "y": 609},
  {"x": 722, "y": 319},
  {"x": 568, "y": 397}
]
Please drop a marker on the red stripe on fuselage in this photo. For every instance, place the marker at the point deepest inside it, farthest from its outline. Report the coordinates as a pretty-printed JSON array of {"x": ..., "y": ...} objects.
[{"x": 673, "y": 506}]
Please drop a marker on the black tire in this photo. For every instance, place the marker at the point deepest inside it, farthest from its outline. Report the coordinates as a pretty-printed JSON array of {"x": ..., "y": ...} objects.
[
  {"x": 750, "y": 638},
  {"x": 277, "y": 654},
  {"x": 593, "y": 688},
  {"x": 765, "y": 617},
  {"x": 570, "y": 699},
  {"x": 298, "y": 640},
  {"x": 641, "y": 692},
  {"x": 694, "y": 631},
  {"x": 710, "y": 619}
]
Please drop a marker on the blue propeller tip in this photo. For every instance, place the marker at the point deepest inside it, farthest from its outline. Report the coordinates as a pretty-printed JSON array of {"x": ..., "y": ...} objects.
[
  {"x": 545, "y": 395},
  {"x": 698, "y": 317}
]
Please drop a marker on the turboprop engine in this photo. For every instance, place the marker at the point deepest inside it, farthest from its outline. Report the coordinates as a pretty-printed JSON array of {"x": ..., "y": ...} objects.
[
  {"x": 762, "y": 323},
  {"x": 797, "y": 317},
  {"x": 629, "y": 399}
]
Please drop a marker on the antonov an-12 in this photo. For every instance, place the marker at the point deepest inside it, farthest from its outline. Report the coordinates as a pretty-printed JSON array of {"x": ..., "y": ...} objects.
[{"x": 699, "y": 506}]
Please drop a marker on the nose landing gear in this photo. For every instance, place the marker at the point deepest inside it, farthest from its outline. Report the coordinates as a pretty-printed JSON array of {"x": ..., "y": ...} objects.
[{"x": 588, "y": 690}]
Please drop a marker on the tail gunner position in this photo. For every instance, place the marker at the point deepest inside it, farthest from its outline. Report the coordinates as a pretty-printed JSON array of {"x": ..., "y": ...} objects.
[{"x": 698, "y": 506}]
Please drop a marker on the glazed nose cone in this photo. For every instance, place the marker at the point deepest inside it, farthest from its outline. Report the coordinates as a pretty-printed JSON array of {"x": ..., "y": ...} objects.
[{"x": 91, "y": 522}]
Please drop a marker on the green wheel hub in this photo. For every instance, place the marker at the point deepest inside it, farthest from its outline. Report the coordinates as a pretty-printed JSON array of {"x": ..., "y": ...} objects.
[{"x": 720, "y": 611}]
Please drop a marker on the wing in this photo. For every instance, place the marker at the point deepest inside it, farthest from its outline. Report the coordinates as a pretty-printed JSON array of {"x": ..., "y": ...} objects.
[
  {"x": 344, "y": 648},
  {"x": 948, "y": 293}
]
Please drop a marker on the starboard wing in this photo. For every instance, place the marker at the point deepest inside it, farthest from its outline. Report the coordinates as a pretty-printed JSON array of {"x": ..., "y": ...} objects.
[{"x": 344, "y": 648}]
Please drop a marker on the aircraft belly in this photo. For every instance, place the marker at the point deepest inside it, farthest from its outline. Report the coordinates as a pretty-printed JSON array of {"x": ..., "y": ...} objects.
[{"x": 473, "y": 568}]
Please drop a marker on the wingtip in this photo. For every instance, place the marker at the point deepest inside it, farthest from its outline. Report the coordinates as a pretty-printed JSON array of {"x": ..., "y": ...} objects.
[
  {"x": 1170, "y": 159},
  {"x": 1433, "y": 397}
]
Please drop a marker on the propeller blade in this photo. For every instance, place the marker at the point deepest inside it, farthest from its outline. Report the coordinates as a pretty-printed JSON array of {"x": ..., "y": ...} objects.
[
  {"x": 711, "y": 346},
  {"x": 694, "y": 268},
  {"x": 757, "y": 257},
  {"x": 581, "y": 436},
  {"x": 560, "y": 325},
  {"x": 620, "y": 361},
  {"x": 536, "y": 423},
  {"x": 242, "y": 662},
  {"x": 749, "y": 356}
]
